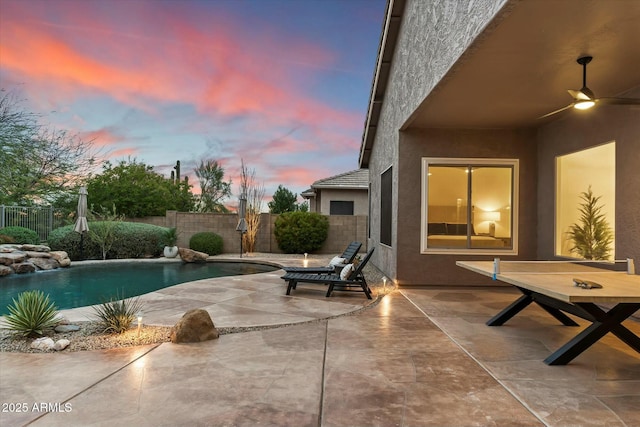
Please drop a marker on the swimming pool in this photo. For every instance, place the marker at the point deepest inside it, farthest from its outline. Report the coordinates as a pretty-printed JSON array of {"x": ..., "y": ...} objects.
[{"x": 95, "y": 283}]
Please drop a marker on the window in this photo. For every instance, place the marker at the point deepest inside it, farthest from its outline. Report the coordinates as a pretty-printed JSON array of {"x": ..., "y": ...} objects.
[
  {"x": 386, "y": 205},
  {"x": 337, "y": 207},
  {"x": 593, "y": 169},
  {"x": 469, "y": 205}
]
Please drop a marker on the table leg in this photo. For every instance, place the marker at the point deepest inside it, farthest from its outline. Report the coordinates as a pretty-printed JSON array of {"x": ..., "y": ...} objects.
[
  {"x": 605, "y": 322},
  {"x": 511, "y": 310},
  {"x": 551, "y": 306}
]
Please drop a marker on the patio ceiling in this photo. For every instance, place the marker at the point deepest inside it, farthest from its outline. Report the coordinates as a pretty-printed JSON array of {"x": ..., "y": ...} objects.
[{"x": 521, "y": 67}]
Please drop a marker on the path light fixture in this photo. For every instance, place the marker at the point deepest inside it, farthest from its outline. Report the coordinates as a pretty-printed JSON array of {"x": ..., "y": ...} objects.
[{"x": 139, "y": 323}]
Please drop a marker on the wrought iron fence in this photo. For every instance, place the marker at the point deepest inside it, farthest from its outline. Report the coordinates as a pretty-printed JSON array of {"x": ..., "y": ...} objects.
[{"x": 41, "y": 219}]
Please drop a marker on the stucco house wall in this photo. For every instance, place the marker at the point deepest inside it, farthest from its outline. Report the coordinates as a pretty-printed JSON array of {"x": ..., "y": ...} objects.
[
  {"x": 573, "y": 133},
  {"x": 360, "y": 199},
  {"x": 415, "y": 268},
  {"x": 432, "y": 37}
]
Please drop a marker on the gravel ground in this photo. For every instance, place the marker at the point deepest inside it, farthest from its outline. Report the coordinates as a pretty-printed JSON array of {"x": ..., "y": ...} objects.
[{"x": 91, "y": 336}]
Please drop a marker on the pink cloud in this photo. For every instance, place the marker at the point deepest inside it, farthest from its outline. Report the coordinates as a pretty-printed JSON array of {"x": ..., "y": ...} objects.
[
  {"x": 219, "y": 71},
  {"x": 214, "y": 67}
]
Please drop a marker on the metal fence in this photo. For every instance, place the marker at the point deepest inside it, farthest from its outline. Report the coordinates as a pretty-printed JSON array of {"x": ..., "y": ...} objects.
[{"x": 41, "y": 219}]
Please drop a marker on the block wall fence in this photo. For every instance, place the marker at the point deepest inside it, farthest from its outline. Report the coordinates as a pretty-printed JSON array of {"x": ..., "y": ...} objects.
[{"x": 343, "y": 229}]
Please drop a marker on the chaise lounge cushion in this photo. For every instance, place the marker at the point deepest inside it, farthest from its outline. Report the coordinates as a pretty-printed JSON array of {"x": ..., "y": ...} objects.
[
  {"x": 336, "y": 260},
  {"x": 346, "y": 271}
]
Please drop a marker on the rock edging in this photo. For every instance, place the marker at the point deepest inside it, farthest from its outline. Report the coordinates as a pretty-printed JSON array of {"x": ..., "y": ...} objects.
[{"x": 26, "y": 258}]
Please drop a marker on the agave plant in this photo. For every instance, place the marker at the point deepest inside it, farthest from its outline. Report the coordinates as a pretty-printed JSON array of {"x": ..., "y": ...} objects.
[
  {"x": 591, "y": 238},
  {"x": 31, "y": 314},
  {"x": 117, "y": 315}
]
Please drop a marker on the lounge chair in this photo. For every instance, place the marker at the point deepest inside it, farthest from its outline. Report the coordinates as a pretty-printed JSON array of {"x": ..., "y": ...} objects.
[
  {"x": 354, "y": 280},
  {"x": 348, "y": 255}
]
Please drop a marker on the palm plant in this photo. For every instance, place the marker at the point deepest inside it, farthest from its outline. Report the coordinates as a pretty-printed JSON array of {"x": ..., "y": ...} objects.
[
  {"x": 592, "y": 237},
  {"x": 171, "y": 236}
]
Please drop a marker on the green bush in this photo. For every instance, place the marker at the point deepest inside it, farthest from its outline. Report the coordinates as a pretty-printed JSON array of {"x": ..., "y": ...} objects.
[
  {"x": 117, "y": 316},
  {"x": 300, "y": 232},
  {"x": 6, "y": 239},
  {"x": 21, "y": 235},
  {"x": 131, "y": 240},
  {"x": 209, "y": 243},
  {"x": 31, "y": 314}
]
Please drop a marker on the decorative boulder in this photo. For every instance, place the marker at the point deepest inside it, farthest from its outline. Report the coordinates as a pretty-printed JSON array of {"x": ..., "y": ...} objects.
[
  {"x": 23, "y": 267},
  {"x": 36, "y": 248},
  {"x": 189, "y": 255},
  {"x": 195, "y": 326},
  {"x": 61, "y": 344},
  {"x": 37, "y": 254},
  {"x": 5, "y": 271},
  {"x": 66, "y": 328},
  {"x": 44, "y": 344},
  {"x": 44, "y": 263},
  {"x": 12, "y": 257}
]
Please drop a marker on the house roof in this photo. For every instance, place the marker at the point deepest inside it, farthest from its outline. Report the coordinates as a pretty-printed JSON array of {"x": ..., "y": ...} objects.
[
  {"x": 354, "y": 180},
  {"x": 520, "y": 66},
  {"x": 386, "y": 48}
]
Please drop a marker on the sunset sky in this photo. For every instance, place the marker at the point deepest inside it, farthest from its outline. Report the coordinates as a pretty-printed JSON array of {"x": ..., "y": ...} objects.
[{"x": 282, "y": 84}]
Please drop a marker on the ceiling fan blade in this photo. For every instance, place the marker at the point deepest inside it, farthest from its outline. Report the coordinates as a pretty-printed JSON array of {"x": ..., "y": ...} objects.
[
  {"x": 619, "y": 101},
  {"x": 557, "y": 111}
]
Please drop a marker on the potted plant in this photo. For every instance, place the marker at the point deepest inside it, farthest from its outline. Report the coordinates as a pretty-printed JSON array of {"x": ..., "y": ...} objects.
[
  {"x": 592, "y": 237},
  {"x": 171, "y": 239}
]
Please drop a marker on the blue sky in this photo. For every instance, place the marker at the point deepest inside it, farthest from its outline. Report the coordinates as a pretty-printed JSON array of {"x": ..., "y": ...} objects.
[{"x": 282, "y": 84}]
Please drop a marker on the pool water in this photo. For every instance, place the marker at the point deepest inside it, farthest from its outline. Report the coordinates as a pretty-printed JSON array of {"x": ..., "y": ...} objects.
[{"x": 96, "y": 283}]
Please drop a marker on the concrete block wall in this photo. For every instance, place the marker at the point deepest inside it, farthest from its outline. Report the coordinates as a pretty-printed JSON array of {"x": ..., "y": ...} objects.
[{"x": 343, "y": 229}]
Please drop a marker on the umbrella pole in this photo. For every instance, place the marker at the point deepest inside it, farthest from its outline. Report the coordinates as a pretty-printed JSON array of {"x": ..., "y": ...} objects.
[
  {"x": 81, "y": 246},
  {"x": 241, "y": 244}
]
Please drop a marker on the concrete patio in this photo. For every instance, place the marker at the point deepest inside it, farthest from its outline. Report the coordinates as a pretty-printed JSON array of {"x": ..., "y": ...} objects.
[{"x": 415, "y": 357}]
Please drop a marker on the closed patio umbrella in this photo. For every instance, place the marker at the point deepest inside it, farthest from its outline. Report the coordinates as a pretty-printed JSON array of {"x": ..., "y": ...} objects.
[
  {"x": 242, "y": 223},
  {"x": 81, "y": 221}
]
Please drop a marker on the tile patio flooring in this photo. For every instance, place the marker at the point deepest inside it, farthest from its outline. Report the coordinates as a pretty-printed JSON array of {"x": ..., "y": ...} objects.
[{"x": 419, "y": 357}]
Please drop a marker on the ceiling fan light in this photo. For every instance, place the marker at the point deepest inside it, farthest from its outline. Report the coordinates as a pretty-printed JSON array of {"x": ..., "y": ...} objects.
[{"x": 584, "y": 105}]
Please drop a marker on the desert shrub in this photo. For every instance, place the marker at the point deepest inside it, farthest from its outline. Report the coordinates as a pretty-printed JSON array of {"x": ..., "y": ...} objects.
[
  {"x": 117, "y": 315},
  {"x": 130, "y": 240},
  {"x": 300, "y": 232},
  {"x": 4, "y": 239},
  {"x": 207, "y": 242},
  {"x": 31, "y": 314},
  {"x": 21, "y": 235}
]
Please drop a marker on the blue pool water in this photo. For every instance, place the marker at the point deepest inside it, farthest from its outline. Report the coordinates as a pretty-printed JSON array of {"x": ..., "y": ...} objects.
[{"x": 89, "y": 284}]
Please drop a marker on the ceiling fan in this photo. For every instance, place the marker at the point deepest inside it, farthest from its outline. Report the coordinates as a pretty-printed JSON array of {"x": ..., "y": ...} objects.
[{"x": 584, "y": 98}]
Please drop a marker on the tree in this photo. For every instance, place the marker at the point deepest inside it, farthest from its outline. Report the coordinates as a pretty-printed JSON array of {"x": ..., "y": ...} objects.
[
  {"x": 104, "y": 232},
  {"x": 254, "y": 193},
  {"x": 38, "y": 162},
  {"x": 137, "y": 191},
  {"x": 213, "y": 189},
  {"x": 591, "y": 238},
  {"x": 283, "y": 201}
]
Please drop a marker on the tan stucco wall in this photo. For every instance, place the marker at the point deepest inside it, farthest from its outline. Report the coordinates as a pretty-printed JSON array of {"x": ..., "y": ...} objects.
[
  {"x": 432, "y": 38},
  {"x": 575, "y": 132},
  {"x": 415, "y": 268},
  {"x": 359, "y": 198}
]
